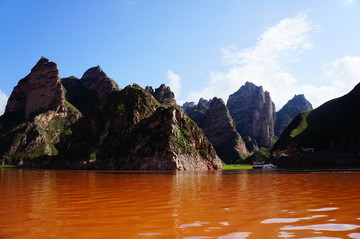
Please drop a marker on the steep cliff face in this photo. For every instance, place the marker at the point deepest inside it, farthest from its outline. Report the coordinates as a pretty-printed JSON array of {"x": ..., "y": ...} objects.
[
  {"x": 163, "y": 94},
  {"x": 93, "y": 86},
  {"x": 220, "y": 129},
  {"x": 334, "y": 126},
  {"x": 129, "y": 129},
  {"x": 288, "y": 112},
  {"x": 39, "y": 91},
  {"x": 37, "y": 115},
  {"x": 253, "y": 113}
]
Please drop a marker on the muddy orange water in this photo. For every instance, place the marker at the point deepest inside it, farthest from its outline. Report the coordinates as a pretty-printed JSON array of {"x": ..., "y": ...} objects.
[{"x": 192, "y": 205}]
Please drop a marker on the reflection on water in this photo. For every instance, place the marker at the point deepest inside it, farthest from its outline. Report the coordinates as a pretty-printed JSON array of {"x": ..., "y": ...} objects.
[{"x": 229, "y": 204}]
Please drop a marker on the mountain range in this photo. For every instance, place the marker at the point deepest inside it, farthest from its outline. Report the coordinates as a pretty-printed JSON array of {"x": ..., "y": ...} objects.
[{"x": 90, "y": 123}]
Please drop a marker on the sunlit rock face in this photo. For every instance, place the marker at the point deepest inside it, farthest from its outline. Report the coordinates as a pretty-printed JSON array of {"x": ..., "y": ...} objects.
[
  {"x": 39, "y": 91},
  {"x": 254, "y": 113},
  {"x": 37, "y": 116}
]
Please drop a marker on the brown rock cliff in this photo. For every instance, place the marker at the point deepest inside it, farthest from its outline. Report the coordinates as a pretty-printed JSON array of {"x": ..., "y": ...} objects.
[
  {"x": 37, "y": 116},
  {"x": 253, "y": 113},
  {"x": 39, "y": 91},
  {"x": 220, "y": 129}
]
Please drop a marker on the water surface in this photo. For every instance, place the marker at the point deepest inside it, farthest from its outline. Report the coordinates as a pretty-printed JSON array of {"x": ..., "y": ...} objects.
[{"x": 193, "y": 205}]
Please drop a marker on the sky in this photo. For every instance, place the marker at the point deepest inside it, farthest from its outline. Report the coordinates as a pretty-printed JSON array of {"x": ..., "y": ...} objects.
[{"x": 201, "y": 48}]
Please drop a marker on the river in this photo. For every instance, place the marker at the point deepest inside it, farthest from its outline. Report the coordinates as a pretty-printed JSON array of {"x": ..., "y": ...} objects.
[{"x": 235, "y": 204}]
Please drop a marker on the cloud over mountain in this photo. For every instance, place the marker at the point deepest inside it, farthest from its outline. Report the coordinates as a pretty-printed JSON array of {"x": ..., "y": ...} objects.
[
  {"x": 266, "y": 64},
  {"x": 174, "y": 82}
]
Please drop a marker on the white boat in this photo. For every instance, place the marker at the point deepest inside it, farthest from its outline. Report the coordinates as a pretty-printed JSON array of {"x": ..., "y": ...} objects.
[
  {"x": 268, "y": 165},
  {"x": 260, "y": 165}
]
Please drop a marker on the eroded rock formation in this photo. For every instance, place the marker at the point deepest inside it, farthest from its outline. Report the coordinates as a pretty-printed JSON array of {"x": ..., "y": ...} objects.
[
  {"x": 163, "y": 94},
  {"x": 129, "y": 129},
  {"x": 93, "y": 86},
  {"x": 220, "y": 129},
  {"x": 253, "y": 113},
  {"x": 120, "y": 129},
  {"x": 39, "y": 91},
  {"x": 36, "y": 117}
]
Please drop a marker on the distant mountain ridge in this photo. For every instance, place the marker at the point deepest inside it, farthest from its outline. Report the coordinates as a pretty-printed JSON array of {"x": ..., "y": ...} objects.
[{"x": 252, "y": 113}]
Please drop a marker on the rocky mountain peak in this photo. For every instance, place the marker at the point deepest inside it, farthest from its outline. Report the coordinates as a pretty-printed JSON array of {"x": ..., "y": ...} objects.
[
  {"x": 163, "y": 94},
  {"x": 220, "y": 129},
  {"x": 39, "y": 91},
  {"x": 36, "y": 116},
  {"x": 93, "y": 86},
  {"x": 196, "y": 111},
  {"x": 93, "y": 72},
  {"x": 149, "y": 89},
  {"x": 288, "y": 112},
  {"x": 97, "y": 82},
  {"x": 296, "y": 105},
  {"x": 187, "y": 105},
  {"x": 129, "y": 129},
  {"x": 43, "y": 60},
  {"x": 253, "y": 112}
]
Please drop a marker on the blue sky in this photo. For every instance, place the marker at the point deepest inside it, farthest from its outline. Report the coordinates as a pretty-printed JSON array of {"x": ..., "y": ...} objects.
[{"x": 201, "y": 48}]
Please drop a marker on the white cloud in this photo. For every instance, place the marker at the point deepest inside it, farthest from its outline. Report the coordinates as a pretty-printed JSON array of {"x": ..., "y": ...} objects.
[
  {"x": 265, "y": 65},
  {"x": 174, "y": 83},
  {"x": 343, "y": 74},
  {"x": 348, "y": 3},
  {"x": 3, "y": 102},
  {"x": 287, "y": 38}
]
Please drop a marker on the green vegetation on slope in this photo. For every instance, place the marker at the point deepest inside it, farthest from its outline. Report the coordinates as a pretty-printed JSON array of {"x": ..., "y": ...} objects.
[
  {"x": 334, "y": 126},
  {"x": 302, "y": 124},
  {"x": 259, "y": 156},
  {"x": 236, "y": 166}
]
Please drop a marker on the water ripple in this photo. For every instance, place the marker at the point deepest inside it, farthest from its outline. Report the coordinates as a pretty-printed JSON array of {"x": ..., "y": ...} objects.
[
  {"x": 323, "y": 209},
  {"x": 323, "y": 227},
  {"x": 289, "y": 220},
  {"x": 320, "y": 238},
  {"x": 354, "y": 235},
  {"x": 236, "y": 235},
  {"x": 149, "y": 234},
  {"x": 194, "y": 224}
]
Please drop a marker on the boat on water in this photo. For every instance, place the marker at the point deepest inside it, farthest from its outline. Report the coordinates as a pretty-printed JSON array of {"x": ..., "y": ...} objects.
[{"x": 261, "y": 165}]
